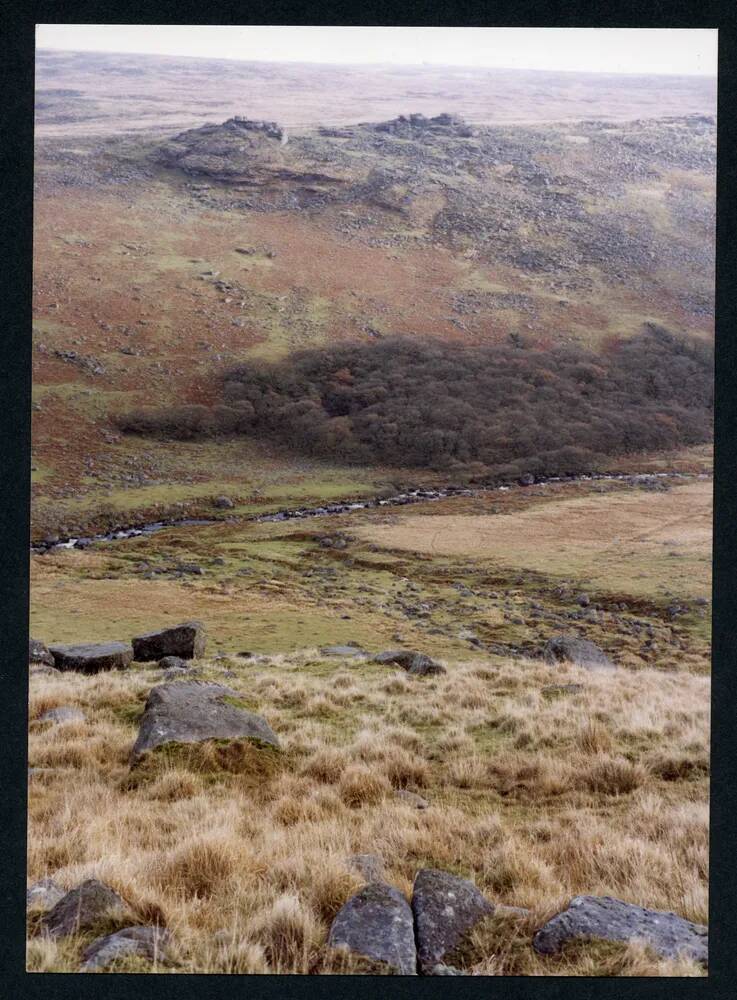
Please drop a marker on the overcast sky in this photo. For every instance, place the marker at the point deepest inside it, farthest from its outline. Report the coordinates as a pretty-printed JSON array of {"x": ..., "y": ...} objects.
[{"x": 609, "y": 50}]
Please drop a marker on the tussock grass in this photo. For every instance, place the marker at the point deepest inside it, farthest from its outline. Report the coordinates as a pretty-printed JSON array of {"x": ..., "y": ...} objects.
[{"x": 535, "y": 799}]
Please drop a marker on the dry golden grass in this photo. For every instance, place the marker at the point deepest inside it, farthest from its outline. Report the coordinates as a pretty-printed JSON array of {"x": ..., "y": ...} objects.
[
  {"x": 615, "y": 540},
  {"x": 536, "y": 799}
]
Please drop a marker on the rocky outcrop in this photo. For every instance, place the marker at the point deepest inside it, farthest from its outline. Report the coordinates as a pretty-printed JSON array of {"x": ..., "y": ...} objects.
[
  {"x": 408, "y": 126},
  {"x": 608, "y": 919},
  {"x": 445, "y": 908},
  {"x": 377, "y": 924},
  {"x": 192, "y": 712},
  {"x": 270, "y": 129},
  {"x": 186, "y": 641},
  {"x": 247, "y": 153},
  {"x": 92, "y": 657},
  {"x": 583, "y": 653},
  {"x": 143, "y": 942},
  {"x": 84, "y": 908}
]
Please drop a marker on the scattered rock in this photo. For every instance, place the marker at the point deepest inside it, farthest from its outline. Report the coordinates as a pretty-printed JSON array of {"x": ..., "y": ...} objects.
[
  {"x": 43, "y": 895},
  {"x": 193, "y": 569},
  {"x": 583, "y": 600},
  {"x": 186, "y": 641},
  {"x": 191, "y": 712},
  {"x": 579, "y": 651},
  {"x": 370, "y": 866},
  {"x": 412, "y": 798},
  {"x": 64, "y": 713},
  {"x": 147, "y": 942},
  {"x": 412, "y": 662},
  {"x": 223, "y": 503},
  {"x": 446, "y": 908},
  {"x": 39, "y": 653},
  {"x": 377, "y": 924},
  {"x": 91, "y": 657},
  {"x": 172, "y": 662},
  {"x": 83, "y": 908},
  {"x": 602, "y": 917}
]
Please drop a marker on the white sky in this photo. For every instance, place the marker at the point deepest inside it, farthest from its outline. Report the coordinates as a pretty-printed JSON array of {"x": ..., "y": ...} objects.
[{"x": 688, "y": 51}]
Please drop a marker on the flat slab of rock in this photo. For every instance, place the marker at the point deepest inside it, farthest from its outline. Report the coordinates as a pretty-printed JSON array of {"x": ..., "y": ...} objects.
[
  {"x": 186, "y": 640},
  {"x": 571, "y": 648},
  {"x": 191, "y": 712},
  {"x": 39, "y": 653},
  {"x": 412, "y": 662},
  {"x": 92, "y": 657},
  {"x": 64, "y": 713},
  {"x": 377, "y": 924},
  {"x": 83, "y": 908},
  {"x": 446, "y": 908},
  {"x": 145, "y": 942},
  {"x": 608, "y": 919},
  {"x": 43, "y": 895}
]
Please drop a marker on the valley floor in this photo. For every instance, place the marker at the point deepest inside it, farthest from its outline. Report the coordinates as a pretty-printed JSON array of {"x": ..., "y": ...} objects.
[{"x": 535, "y": 796}]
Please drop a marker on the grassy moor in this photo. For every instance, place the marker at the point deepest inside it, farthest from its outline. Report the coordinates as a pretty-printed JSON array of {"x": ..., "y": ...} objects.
[{"x": 371, "y": 525}]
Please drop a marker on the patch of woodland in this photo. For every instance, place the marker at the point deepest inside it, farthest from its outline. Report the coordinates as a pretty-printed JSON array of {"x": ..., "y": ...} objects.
[{"x": 498, "y": 410}]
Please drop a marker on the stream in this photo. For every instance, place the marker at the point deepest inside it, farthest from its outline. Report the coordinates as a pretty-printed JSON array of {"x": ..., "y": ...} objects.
[{"x": 412, "y": 496}]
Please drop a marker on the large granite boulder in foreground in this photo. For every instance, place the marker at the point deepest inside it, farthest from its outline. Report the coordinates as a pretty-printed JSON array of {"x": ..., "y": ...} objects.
[
  {"x": 92, "y": 657},
  {"x": 376, "y": 924},
  {"x": 583, "y": 653},
  {"x": 186, "y": 641},
  {"x": 605, "y": 918},
  {"x": 191, "y": 712},
  {"x": 445, "y": 908},
  {"x": 143, "y": 942},
  {"x": 84, "y": 908}
]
